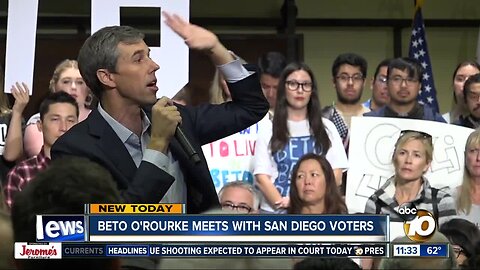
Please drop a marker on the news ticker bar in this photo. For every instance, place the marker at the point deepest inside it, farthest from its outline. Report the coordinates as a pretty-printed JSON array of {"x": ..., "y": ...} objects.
[
  {"x": 77, "y": 250},
  {"x": 25, "y": 250},
  {"x": 420, "y": 250}
]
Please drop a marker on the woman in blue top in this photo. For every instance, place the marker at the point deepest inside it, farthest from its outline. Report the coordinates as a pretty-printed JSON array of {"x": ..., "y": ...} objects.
[{"x": 297, "y": 129}]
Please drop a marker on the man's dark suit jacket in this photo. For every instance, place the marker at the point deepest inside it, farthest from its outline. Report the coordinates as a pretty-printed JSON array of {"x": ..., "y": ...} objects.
[{"x": 95, "y": 139}]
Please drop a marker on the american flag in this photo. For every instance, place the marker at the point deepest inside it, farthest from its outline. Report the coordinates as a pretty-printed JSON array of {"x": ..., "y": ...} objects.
[{"x": 418, "y": 50}]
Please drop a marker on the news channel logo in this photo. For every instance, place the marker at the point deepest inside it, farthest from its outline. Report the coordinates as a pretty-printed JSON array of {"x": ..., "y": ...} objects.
[
  {"x": 419, "y": 224},
  {"x": 60, "y": 228}
]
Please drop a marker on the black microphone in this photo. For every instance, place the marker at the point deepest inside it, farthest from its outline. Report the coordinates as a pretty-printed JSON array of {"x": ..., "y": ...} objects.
[{"x": 186, "y": 145}]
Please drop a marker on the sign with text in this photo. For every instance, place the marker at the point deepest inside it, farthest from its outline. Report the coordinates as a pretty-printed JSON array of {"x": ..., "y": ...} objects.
[{"x": 231, "y": 158}]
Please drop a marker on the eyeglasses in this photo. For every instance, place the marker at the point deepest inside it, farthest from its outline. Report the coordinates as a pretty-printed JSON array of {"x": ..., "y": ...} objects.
[
  {"x": 473, "y": 96},
  {"x": 457, "y": 250},
  {"x": 293, "y": 85},
  {"x": 382, "y": 79},
  {"x": 398, "y": 80},
  {"x": 421, "y": 133},
  {"x": 461, "y": 78},
  {"x": 239, "y": 208},
  {"x": 356, "y": 78}
]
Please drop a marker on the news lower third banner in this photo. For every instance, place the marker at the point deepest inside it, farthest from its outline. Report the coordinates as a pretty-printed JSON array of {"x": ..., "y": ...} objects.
[
  {"x": 238, "y": 228},
  {"x": 167, "y": 223}
]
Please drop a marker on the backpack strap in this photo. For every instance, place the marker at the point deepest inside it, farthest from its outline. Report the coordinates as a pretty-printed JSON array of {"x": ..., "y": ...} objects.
[
  {"x": 435, "y": 203},
  {"x": 378, "y": 208}
]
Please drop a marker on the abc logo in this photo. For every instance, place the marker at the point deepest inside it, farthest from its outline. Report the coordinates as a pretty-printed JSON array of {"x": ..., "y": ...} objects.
[{"x": 419, "y": 225}]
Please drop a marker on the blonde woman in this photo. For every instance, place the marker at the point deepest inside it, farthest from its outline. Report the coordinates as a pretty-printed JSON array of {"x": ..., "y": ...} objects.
[
  {"x": 411, "y": 159},
  {"x": 66, "y": 77},
  {"x": 467, "y": 195}
]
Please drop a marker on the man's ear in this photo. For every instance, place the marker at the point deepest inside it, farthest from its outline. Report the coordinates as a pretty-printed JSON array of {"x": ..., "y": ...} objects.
[
  {"x": 106, "y": 77},
  {"x": 39, "y": 126}
]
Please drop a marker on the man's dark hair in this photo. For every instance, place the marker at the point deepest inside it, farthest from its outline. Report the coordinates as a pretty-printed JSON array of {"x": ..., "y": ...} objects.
[
  {"x": 54, "y": 98},
  {"x": 471, "y": 80},
  {"x": 411, "y": 66},
  {"x": 463, "y": 233},
  {"x": 63, "y": 188},
  {"x": 272, "y": 63},
  {"x": 384, "y": 63},
  {"x": 316, "y": 263},
  {"x": 351, "y": 59}
]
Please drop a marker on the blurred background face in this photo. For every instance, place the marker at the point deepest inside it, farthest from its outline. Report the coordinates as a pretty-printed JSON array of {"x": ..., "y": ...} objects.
[
  {"x": 461, "y": 76},
  {"x": 310, "y": 182},
  {"x": 71, "y": 81},
  {"x": 297, "y": 97},
  {"x": 472, "y": 160},
  {"x": 379, "y": 87},
  {"x": 402, "y": 89},
  {"x": 269, "y": 87},
  {"x": 473, "y": 99},
  {"x": 411, "y": 160},
  {"x": 349, "y": 84}
]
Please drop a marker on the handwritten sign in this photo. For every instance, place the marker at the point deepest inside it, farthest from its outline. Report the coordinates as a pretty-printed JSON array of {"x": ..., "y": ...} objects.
[{"x": 230, "y": 159}]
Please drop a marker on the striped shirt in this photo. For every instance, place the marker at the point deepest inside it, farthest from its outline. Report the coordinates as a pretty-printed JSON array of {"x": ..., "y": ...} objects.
[{"x": 383, "y": 202}]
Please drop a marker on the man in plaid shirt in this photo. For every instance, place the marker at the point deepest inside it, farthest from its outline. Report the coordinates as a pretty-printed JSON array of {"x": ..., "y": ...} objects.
[{"x": 58, "y": 113}]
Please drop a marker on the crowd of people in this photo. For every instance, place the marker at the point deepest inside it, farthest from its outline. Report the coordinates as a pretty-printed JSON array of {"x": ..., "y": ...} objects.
[{"x": 101, "y": 135}]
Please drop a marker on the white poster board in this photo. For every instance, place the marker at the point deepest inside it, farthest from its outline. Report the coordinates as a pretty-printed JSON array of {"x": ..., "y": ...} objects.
[
  {"x": 372, "y": 141},
  {"x": 20, "y": 47}
]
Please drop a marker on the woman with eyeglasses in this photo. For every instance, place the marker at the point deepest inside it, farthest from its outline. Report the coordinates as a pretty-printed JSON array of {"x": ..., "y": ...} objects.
[
  {"x": 411, "y": 159},
  {"x": 467, "y": 195},
  {"x": 313, "y": 188},
  {"x": 462, "y": 72},
  {"x": 297, "y": 129},
  {"x": 463, "y": 235}
]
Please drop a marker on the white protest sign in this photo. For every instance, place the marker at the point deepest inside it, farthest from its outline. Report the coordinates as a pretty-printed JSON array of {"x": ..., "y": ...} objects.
[
  {"x": 231, "y": 158},
  {"x": 172, "y": 55},
  {"x": 20, "y": 47},
  {"x": 372, "y": 141},
  {"x": 22, "y": 28}
]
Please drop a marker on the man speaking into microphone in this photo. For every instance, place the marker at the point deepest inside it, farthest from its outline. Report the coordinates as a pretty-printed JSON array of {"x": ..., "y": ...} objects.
[{"x": 149, "y": 145}]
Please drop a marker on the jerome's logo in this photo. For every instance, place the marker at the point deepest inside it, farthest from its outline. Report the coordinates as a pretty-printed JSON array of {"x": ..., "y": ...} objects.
[
  {"x": 65, "y": 228},
  {"x": 24, "y": 250},
  {"x": 419, "y": 224}
]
